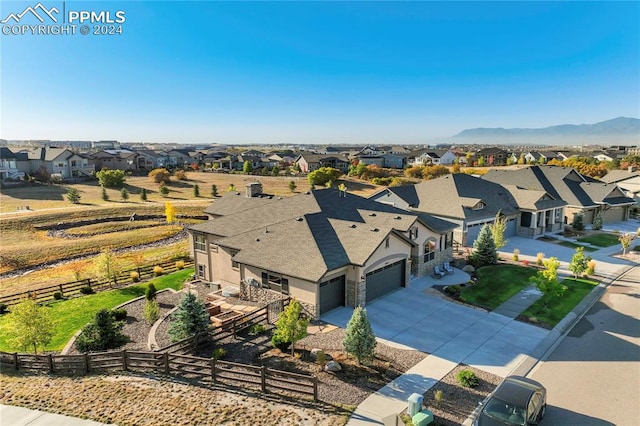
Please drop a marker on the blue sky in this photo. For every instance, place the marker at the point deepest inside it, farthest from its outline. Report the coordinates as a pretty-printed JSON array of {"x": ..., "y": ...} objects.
[{"x": 320, "y": 72}]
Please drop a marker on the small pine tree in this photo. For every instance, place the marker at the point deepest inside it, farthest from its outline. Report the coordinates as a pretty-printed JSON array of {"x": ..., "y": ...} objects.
[
  {"x": 196, "y": 190},
  {"x": 292, "y": 186},
  {"x": 498, "y": 228},
  {"x": 124, "y": 194},
  {"x": 101, "y": 334},
  {"x": 164, "y": 190},
  {"x": 150, "y": 292},
  {"x": 291, "y": 326},
  {"x": 597, "y": 221},
  {"x": 143, "y": 194},
  {"x": 151, "y": 311},
  {"x": 105, "y": 196},
  {"x": 73, "y": 195},
  {"x": 579, "y": 262},
  {"x": 214, "y": 190},
  {"x": 578, "y": 222},
  {"x": 189, "y": 319},
  {"x": 359, "y": 339},
  {"x": 484, "y": 249}
]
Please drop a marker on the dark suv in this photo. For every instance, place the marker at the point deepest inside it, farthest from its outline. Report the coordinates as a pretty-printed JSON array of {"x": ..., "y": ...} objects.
[{"x": 516, "y": 401}]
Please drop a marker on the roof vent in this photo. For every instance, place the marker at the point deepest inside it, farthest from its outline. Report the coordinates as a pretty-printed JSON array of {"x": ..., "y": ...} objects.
[
  {"x": 375, "y": 230},
  {"x": 266, "y": 230},
  {"x": 257, "y": 239},
  {"x": 307, "y": 193},
  {"x": 353, "y": 225},
  {"x": 372, "y": 214},
  {"x": 299, "y": 219},
  {"x": 397, "y": 217}
]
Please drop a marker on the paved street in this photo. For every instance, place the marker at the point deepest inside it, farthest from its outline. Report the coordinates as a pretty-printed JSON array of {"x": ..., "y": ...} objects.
[{"x": 593, "y": 376}]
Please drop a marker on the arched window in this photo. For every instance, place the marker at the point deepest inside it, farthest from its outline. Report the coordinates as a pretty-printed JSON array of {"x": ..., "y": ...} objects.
[{"x": 429, "y": 250}]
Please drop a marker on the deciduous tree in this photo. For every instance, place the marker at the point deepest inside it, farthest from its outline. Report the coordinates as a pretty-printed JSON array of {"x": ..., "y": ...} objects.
[
  {"x": 579, "y": 262},
  {"x": 290, "y": 326},
  {"x": 625, "y": 241},
  {"x": 498, "y": 228},
  {"x": 107, "y": 266},
  {"x": 170, "y": 212},
  {"x": 110, "y": 178},
  {"x": 29, "y": 325}
]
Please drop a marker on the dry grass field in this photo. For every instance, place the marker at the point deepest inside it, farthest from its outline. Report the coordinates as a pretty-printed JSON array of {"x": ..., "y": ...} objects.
[{"x": 23, "y": 246}]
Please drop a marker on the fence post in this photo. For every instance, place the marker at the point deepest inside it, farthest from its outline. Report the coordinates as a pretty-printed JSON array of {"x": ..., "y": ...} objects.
[
  {"x": 50, "y": 362},
  {"x": 263, "y": 378},
  {"x": 124, "y": 360},
  {"x": 15, "y": 360},
  {"x": 213, "y": 370},
  {"x": 315, "y": 388},
  {"x": 61, "y": 290},
  {"x": 86, "y": 363},
  {"x": 167, "y": 368},
  {"x": 233, "y": 326}
]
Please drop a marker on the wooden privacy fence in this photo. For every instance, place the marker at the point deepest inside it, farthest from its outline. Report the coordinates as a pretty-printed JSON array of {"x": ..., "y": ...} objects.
[
  {"x": 73, "y": 287},
  {"x": 267, "y": 380}
]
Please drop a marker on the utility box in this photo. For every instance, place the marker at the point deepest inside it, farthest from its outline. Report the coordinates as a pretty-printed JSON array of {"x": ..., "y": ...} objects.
[
  {"x": 422, "y": 418},
  {"x": 415, "y": 404}
]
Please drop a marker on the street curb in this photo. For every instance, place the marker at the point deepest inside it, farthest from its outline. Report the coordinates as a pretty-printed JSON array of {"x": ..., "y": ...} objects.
[{"x": 546, "y": 347}]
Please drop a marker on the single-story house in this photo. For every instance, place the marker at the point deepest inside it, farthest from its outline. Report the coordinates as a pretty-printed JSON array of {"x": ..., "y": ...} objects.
[
  {"x": 327, "y": 248},
  {"x": 582, "y": 194}
]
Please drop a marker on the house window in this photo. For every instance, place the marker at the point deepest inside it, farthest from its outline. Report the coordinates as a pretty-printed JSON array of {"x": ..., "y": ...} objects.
[
  {"x": 558, "y": 215},
  {"x": 213, "y": 248},
  {"x": 386, "y": 242},
  {"x": 413, "y": 233},
  {"x": 275, "y": 282},
  {"x": 201, "y": 269},
  {"x": 200, "y": 243},
  {"x": 73, "y": 163},
  {"x": 234, "y": 264},
  {"x": 429, "y": 250},
  {"x": 479, "y": 206}
]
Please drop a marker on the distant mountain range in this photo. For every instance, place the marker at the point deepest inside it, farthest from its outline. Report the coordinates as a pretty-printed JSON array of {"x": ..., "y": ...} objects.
[{"x": 617, "y": 130}]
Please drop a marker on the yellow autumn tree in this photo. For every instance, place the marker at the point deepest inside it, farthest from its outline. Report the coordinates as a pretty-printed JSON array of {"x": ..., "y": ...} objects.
[{"x": 170, "y": 212}]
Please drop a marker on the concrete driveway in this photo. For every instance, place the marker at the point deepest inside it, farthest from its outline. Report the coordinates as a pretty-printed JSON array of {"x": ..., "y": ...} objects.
[{"x": 417, "y": 318}]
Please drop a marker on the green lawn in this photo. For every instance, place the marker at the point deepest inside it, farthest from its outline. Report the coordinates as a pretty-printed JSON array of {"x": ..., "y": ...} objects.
[
  {"x": 551, "y": 310},
  {"x": 574, "y": 245},
  {"x": 601, "y": 240},
  {"x": 497, "y": 284},
  {"x": 71, "y": 315}
]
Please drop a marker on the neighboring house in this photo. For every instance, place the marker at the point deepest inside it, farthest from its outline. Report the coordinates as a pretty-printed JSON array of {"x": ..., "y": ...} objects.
[
  {"x": 9, "y": 165},
  {"x": 537, "y": 157},
  {"x": 627, "y": 180},
  {"x": 255, "y": 161},
  {"x": 310, "y": 162},
  {"x": 148, "y": 160},
  {"x": 493, "y": 156},
  {"x": 370, "y": 160},
  {"x": 326, "y": 248},
  {"x": 181, "y": 157},
  {"x": 467, "y": 201},
  {"x": 53, "y": 160},
  {"x": 426, "y": 157},
  {"x": 394, "y": 161},
  {"x": 582, "y": 194},
  {"x": 80, "y": 166},
  {"x": 115, "y": 159}
]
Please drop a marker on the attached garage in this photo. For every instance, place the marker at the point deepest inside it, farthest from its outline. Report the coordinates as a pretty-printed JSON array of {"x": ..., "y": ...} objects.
[
  {"x": 383, "y": 280},
  {"x": 331, "y": 294},
  {"x": 613, "y": 214}
]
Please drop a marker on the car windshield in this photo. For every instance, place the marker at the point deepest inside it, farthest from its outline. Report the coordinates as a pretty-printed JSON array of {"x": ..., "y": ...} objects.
[{"x": 505, "y": 412}]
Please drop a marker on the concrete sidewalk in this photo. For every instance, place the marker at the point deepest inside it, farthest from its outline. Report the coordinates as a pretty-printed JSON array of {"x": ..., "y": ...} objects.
[{"x": 18, "y": 416}]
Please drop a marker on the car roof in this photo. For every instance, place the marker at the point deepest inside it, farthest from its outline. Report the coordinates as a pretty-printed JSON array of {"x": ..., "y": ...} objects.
[{"x": 517, "y": 390}]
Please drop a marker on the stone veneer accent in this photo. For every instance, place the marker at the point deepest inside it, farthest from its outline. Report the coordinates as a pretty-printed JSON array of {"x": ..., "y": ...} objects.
[
  {"x": 350, "y": 293},
  {"x": 440, "y": 257}
]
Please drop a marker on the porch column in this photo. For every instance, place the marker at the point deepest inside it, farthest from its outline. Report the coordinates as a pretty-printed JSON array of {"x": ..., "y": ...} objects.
[
  {"x": 553, "y": 217},
  {"x": 543, "y": 218},
  {"x": 534, "y": 220}
]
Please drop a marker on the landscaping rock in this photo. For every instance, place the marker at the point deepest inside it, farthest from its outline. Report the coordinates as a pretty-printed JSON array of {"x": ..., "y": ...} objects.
[
  {"x": 332, "y": 367},
  {"x": 469, "y": 269}
]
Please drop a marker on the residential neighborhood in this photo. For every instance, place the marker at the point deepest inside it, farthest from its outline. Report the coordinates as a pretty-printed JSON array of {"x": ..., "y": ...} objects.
[{"x": 319, "y": 213}]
